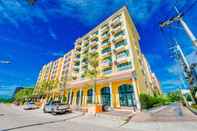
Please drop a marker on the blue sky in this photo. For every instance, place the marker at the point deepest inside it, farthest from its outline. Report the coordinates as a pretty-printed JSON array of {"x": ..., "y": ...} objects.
[{"x": 31, "y": 36}]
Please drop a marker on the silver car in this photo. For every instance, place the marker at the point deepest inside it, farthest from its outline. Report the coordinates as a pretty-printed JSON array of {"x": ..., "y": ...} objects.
[
  {"x": 60, "y": 108},
  {"x": 30, "y": 106},
  {"x": 49, "y": 106}
]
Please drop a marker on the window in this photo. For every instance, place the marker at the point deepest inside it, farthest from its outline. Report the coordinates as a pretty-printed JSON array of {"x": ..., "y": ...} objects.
[
  {"x": 105, "y": 96},
  {"x": 126, "y": 95}
]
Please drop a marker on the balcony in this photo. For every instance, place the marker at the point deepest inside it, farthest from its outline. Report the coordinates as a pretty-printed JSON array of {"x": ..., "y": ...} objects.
[
  {"x": 105, "y": 45},
  {"x": 116, "y": 22},
  {"x": 105, "y": 37},
  {"x": 122, "y": 59},
  {"x": 106, "y": 63},
  {"x": 93, "y": 43},
  {"x": 125, "y": 67},
  {"x": 94, "y": 50},
  {"x": 94, "y": 36},
  {"x": 105, "y": 29},
  {"x": 121, "y": 48},
  {"x": 118, "y": 38},
  {"x": 117, "y": 29},
  {"x": 107, "y": 72},
  {"x": 106, "y": 54}
]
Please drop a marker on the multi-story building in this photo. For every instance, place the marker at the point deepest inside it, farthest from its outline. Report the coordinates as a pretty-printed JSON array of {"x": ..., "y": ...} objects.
[{"x": 123, "y": 73}]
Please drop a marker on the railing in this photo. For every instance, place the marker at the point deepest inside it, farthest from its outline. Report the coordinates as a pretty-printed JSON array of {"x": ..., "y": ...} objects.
[
  {"x": 123, "y": 67},
  {"x": 107, "y": 72}
]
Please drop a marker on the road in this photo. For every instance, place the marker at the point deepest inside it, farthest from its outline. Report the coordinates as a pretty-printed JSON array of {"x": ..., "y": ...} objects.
[{"x": 16, "y": 119}]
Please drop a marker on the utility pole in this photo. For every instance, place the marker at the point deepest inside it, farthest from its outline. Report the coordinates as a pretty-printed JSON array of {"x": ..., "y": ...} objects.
[
  {"x": 188, "y": 72},
  {"x": 179, "y": 18}
]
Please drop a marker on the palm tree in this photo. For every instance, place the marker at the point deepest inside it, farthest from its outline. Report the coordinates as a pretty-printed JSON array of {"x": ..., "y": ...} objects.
[{"x": 92, "y": 71}]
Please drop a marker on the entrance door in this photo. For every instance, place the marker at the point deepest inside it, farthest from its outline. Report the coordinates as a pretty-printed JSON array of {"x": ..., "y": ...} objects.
[
  {"x": 126, "y": 95},
  {"x": 105, "y": 96}
]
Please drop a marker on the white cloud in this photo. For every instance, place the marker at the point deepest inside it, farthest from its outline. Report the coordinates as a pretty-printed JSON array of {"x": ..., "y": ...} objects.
[{"x": 52, "y": 34}]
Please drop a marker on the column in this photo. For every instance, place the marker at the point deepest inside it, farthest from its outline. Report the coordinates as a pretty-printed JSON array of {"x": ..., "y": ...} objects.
[
  {"x": 137, "y": 101},
  {"x": 84, "y": 102},
  {"x": 80, "y": 98},
  {"x": 111, "y": 94}
]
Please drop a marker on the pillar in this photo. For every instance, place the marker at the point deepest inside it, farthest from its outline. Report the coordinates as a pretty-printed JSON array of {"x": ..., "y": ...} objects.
[
  {"x": 80, "y": 98},
  {"x": 84, "y": 102},
  {"x": 111, "y": 95},
  {"x": 98, "y": 95},
  {"x": 115, "y": 87},
  {"x": 74, "y": 97}
]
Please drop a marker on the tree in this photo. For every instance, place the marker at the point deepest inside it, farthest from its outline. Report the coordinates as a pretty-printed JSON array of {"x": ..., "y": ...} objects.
[
  {"x": 92, "y": 71},
  {"x": 24, "y": 94},
  {"x": 45, "y": 87},
  {"x": 194, "y": 93}
]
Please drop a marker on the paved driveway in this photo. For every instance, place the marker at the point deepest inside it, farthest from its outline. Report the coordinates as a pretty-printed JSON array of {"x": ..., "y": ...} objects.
[{"x": 15, "y": 118}]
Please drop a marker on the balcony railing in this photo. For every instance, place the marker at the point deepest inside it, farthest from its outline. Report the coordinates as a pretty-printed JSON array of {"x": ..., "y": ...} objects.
[
  {"x": 106, "y": 63},
  {"x": 121, "y": 48},
  {"x": 118, "y": 38},
  {"x": 105, "y": 29},
  {"x": 124, "y": 67},
  {"x": 117, "y": 29},
  {"x": 116, "y": 22},
  {"x": 107, "y": 72}
]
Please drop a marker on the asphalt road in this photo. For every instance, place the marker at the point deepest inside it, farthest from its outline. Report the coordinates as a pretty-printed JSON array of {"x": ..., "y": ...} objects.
[{"x": 16, "y": 119}]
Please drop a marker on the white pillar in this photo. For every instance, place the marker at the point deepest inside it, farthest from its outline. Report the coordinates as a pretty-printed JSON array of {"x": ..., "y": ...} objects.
[
  {"x": 80, "y": 98},
  {"x": 137, "y": 101},
  {"x": 111, "y": 94}
]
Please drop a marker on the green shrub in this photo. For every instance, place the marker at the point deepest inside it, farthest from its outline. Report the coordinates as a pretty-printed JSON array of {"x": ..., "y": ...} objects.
[
  {"x": 174, "y": 96},
  {"x": 148, "y": 101}
]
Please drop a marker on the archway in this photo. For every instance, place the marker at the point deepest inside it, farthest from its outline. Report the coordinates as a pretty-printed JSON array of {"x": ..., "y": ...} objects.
[
  {"x": 90, "y": 96},
  {"x": 126, "y": 95},
  {"x": 105, "y": 96}
]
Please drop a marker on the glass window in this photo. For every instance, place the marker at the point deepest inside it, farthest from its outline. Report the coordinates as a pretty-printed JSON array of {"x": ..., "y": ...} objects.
[
  {"x": 105, "y": 96},
  {"x": 90, "y": 93},
  {"x": 126, "y": 95}
]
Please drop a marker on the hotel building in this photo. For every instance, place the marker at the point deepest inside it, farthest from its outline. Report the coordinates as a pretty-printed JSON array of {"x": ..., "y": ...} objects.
[{"x": 124, "y": 72}]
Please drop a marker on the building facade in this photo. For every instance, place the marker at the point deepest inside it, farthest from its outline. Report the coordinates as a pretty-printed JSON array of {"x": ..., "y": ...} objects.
[{"x": 123, "y": 73}]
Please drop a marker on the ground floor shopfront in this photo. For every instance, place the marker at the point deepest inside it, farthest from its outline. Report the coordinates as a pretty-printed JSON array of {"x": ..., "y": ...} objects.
[{"x": 117, "y": 94}]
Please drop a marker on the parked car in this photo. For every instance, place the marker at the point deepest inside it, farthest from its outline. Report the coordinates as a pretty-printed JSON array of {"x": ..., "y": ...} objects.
[
  {"x": 60, "y": 108},
  {"x": 30, "y": 106},
  {"x": 49, "y": 105}
]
